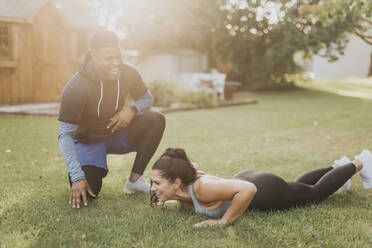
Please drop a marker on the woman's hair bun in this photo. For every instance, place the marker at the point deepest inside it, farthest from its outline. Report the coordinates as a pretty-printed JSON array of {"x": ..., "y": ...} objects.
[
  {"x": 174, "y": 164},
  {"x": 178, "y": 153}
]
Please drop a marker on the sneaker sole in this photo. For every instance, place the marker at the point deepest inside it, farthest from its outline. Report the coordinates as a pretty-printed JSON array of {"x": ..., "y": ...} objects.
[
  {"x": 367, "y": 181},
  {"x": 128, "y": 192},
  {"x": 345, "y": 187}
]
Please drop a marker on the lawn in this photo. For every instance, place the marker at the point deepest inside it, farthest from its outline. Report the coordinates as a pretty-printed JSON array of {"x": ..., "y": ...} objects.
[
  {"x": 353, "y": 86},
  {"x": 287, "y": 133}
]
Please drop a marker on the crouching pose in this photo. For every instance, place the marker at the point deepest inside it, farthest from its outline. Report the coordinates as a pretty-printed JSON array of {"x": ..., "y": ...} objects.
[
  {"x": 94, "y": 120},
  {"x": 174, "y": 177}
]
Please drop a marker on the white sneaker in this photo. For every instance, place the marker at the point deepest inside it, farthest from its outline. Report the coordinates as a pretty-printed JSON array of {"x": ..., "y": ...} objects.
[
  {"x": 139, "y": 185},
  {"x": 366, "y": 172},
  {"x": 344, "y": 161}
]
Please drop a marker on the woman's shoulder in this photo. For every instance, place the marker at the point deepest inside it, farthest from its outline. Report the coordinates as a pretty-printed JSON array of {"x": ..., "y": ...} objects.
[{"x": 204, "y": 184}]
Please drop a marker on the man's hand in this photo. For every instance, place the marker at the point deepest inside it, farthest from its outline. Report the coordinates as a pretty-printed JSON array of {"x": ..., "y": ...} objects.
[
  {"x": 121, "y": 119},
  {"x": 79, "y": 189}
]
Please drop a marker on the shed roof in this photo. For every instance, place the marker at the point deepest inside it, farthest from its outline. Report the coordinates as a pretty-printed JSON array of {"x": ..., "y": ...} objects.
[
  {"x": 76, "y": 15},
  {"x": 20, "y": 9}
]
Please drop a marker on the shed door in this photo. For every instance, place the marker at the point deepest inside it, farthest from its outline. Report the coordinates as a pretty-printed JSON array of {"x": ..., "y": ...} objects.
[
  {"x": 47, "y": 63},
  {"x": 6, "y": 85}
]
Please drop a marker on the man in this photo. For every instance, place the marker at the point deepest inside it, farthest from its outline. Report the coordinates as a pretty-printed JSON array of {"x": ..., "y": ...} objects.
[{"x": 94, "y": 122}]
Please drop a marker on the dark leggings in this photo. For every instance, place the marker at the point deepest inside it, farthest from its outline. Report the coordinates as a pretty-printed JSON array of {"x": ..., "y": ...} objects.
[
  {"x": 313, "y": 186},
  {"x": 94, "y": 176},
  {"x": 145, "y": 133}
]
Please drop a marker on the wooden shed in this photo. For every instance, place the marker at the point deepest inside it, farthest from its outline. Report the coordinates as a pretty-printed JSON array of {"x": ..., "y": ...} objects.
[{"x": 39, "y": 50}]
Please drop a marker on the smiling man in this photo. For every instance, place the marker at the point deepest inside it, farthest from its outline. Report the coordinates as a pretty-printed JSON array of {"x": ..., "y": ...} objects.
[{"x": 94, "y": 122}]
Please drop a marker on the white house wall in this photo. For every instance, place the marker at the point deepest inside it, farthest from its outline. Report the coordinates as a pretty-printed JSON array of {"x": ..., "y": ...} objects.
[
  {"x": 170, "y": 65},
  {"x": 158, "y": 66},
  {"x": 191, "y": 64},
  {"x": 355, "y": 62}
]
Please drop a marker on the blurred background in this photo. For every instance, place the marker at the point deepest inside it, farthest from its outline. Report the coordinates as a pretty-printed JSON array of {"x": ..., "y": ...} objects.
[{"x": 234, "y": 44}]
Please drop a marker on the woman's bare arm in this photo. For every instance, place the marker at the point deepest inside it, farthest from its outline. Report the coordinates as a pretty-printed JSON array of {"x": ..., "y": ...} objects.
[
  {"x": 239, "y": 204},
  {"x": 239, "y": 192}
]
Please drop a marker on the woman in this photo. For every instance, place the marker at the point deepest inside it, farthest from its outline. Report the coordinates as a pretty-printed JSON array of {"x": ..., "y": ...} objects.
[{"x": 174, "y": 177}]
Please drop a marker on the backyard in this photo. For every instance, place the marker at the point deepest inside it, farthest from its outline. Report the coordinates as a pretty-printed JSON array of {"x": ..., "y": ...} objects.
[{"x": 286, "y": 133}]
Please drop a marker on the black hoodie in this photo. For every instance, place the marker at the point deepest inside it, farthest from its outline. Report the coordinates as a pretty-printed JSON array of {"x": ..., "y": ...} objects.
[{"x": 90, "y": 102}]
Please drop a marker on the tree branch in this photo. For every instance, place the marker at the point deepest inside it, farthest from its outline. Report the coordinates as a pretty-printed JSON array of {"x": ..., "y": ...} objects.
[
  {"x": 367, "y": 20},
  {"x": 363, "y": 37}
]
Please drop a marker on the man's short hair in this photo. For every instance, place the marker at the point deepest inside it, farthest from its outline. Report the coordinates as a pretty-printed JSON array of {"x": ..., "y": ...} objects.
[{"x": 103, "y": 38}]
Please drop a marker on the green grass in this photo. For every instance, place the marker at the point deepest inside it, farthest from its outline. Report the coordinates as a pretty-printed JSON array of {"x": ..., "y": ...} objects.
[
  {"x": 287, "y": 133},
  {"x": 354, "y": 86}
]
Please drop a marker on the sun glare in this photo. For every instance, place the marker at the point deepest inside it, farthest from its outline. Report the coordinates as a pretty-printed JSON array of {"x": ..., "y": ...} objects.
[
  {"x": 269, "y": 10},
  {"x": 110, "y": 13}
]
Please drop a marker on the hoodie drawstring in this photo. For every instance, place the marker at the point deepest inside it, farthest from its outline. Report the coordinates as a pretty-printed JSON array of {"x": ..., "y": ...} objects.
[
  {"x": 101, "y": 98},
  {"x": 118, "y": 95}
]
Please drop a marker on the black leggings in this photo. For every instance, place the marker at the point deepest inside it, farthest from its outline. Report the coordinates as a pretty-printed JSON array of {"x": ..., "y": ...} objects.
[
  {"x": 94, "y": 176},
  {"x": 313, "y": 186},
  {"x": 145, "y": 133}
]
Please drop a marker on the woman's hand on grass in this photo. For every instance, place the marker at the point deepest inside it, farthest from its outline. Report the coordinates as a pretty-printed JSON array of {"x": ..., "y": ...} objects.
[
  {"x": 210, "y": 222},
  {"x": 79, "y": 189}
]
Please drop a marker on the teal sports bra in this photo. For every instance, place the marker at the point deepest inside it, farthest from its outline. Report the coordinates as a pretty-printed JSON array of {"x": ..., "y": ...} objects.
[{"x": 217, "y": 212}]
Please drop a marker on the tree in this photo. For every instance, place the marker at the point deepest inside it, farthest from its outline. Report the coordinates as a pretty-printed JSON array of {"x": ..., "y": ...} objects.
[
  {"x": 257, "y": 38},
  {"x": 260, "y": 38},
  {"x": 355, "y": 15}
]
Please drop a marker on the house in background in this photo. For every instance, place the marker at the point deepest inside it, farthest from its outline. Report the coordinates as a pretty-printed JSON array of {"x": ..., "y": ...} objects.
[
  {"x": 354, "y": 62},
  {"x": 42, "y": 45},
  {"x": 40, "y": 49},
  {"x": 187, "y": 67},
  {"x": 168, "y": 63}
]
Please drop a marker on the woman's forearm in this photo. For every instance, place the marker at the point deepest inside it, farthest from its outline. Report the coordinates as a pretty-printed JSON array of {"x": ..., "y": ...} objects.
[{"x": 239, "y": 204}]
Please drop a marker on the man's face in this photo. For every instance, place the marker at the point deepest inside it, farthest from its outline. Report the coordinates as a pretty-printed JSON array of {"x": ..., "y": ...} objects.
[{"x": 107, "y": 61}]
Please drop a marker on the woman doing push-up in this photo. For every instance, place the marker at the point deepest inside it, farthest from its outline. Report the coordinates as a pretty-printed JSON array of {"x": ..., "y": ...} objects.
[{"x": 174, "y": 177}]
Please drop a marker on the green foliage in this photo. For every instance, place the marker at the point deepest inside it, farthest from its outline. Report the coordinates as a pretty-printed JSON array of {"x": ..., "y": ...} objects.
[
  {"x": 163, "y": 91},
  {"x": 168, "y": 93},
  {"x": 256, "y": 38},
  {"x": 241, "y": 36}
]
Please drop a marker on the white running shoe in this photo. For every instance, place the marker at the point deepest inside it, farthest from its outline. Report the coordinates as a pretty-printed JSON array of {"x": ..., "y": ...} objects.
[
  {"x": 366, "y": 172},
  {"x": 139, "y": 185},
  {"x": 344, "y": 161}
]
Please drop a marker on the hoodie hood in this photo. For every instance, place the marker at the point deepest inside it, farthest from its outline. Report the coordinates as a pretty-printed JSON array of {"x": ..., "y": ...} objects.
[{"x": 88, "y": 71}]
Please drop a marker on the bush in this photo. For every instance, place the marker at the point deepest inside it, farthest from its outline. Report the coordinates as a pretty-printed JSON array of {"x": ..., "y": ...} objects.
[{"x": 168, "y": 93}]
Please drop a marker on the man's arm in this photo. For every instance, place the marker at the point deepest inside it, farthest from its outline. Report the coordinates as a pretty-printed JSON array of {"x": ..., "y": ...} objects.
[
  {"x": 79, "y": 185},
  {"x": 144, "y": 103},
  {"x": 66, "y": 133}
]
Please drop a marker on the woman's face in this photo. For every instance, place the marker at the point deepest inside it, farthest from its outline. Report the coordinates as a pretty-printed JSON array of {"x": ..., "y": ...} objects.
[{"x": 163, "y": 189}]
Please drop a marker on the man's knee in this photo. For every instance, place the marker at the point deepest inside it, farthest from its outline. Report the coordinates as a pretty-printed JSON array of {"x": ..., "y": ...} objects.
[
  {"x": 161, "y": 119},
  {"x": 155, "y": 117},
  {"x": 94, "y": 175}
]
